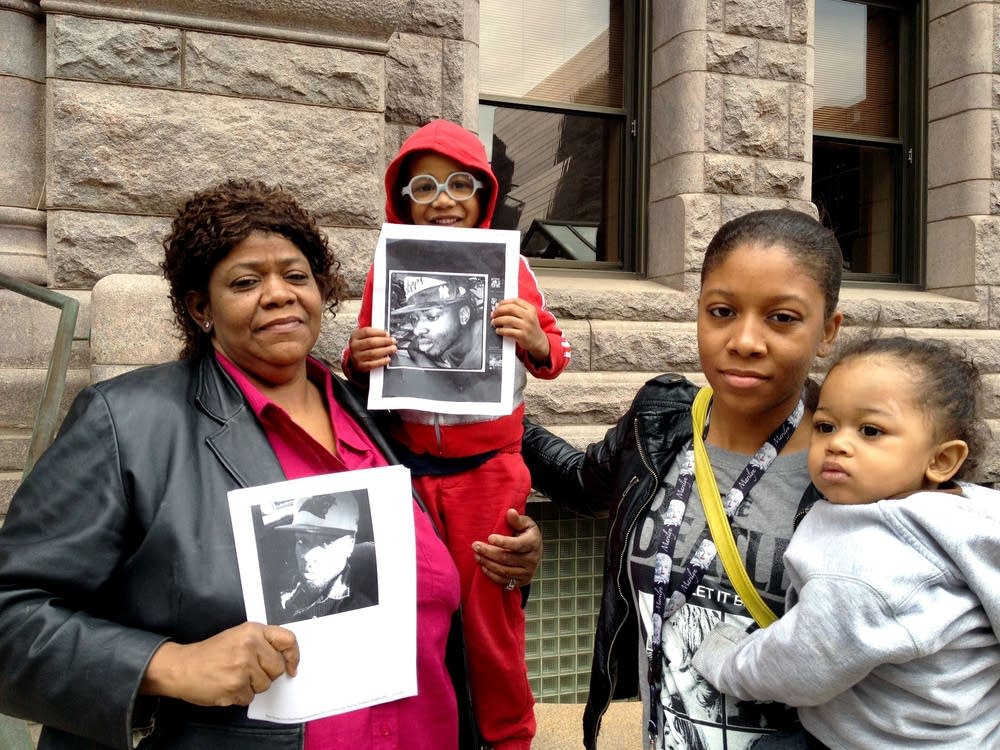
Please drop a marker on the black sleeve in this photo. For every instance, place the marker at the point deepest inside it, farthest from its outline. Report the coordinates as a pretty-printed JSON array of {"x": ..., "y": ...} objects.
[
  {"x": 64, "y": 540},
  {"x": 579, "y": 481}
]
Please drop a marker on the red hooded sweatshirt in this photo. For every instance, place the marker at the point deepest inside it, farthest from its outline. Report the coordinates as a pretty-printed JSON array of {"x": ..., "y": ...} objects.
[
  {"x": 447, "y": 139},
  {"x": 451, "y": 435}
]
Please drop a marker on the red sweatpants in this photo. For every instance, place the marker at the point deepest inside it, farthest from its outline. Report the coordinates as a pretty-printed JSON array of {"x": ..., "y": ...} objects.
[{"x": 468, "y": 507}]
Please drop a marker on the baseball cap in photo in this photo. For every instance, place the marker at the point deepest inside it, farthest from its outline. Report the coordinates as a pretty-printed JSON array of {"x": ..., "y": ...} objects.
[
  {"x": 424, "y": 292},
  {"x": 329, "y": 515}
]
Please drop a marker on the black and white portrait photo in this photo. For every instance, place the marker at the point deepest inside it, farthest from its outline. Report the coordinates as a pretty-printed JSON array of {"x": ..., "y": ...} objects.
[
  {"x": 434, "y": 291},
  {"x": 320, "y": 560},
  {"x": 439, "y": 321},
  {"x": 332, "y": 558}
]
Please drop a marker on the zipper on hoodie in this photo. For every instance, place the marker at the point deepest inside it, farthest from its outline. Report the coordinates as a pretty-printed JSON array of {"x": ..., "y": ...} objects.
[{"x": 801, "y": 512}]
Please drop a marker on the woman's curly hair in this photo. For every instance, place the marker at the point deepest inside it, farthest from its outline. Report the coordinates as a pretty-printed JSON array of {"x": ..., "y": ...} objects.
[{"x": 214, "y": 221}]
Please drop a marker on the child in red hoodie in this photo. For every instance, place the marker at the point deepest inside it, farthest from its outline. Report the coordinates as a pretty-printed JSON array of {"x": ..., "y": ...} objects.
[{"x": 469, "y": 469}]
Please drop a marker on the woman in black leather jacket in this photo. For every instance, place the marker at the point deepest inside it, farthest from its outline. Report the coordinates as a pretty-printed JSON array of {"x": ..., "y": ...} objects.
[
  {"x": 656, "y": 427},
  {"x": 767, "y": 308},
  {"x": 121, "y": 608}
]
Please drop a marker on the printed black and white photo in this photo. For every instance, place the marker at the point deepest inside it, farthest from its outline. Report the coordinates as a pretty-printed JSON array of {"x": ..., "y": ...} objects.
[
  {"x": 332, "y": 558},
  {"x": 449, "y": 359},
  {"x": 317, "y": 556},
  {"x": 439, "y": 321}
]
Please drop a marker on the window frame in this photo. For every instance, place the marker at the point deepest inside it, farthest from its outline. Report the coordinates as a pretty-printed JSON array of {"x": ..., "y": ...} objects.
[
  {"x": 631, "y": 208},
  {"x": 909, "y": 209}
]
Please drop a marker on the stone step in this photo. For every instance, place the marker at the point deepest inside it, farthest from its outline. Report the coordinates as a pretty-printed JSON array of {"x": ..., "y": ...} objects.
[
  {"x": 601, "y": 397},
  {"x": 909, "y": 308},
  {"x": 583, "y": 398},
  {"x": 624, "y": 297},
  {"x": 576, "y": 295},
  {"x": 627, "y": 324},
  {"x": 616, "y": 345},
  {"x": 989, "y": 469},
  {"x": 581, "y": 436},
  {"x": 616, "y": 324},
  {"x": 14, "y": 444},
  {"x": 9, "y": 481},
  {"x": 982, "y": 345},
  {"x": 21, "y": 393},
  {"x": 135, "y": 326},
  {"x": 28, "y": 330}
]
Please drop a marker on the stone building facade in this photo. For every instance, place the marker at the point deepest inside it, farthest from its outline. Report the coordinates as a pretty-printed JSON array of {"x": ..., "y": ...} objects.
[{"x": 111, "y": 113}]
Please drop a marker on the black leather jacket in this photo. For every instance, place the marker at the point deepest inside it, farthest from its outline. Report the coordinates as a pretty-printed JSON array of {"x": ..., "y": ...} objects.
[
  {"x": 121, "y": 538},
  {"x": 619, "y": 476}
]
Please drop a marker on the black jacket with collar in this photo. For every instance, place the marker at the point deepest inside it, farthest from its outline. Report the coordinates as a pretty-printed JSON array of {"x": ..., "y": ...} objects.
[
  {"x": 617, "y": 476},
  {"x": 121, "y": 538}
]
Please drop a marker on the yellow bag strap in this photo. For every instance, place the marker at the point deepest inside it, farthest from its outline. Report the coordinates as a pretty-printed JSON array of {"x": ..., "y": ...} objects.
[{"x": 718, "y": 524}]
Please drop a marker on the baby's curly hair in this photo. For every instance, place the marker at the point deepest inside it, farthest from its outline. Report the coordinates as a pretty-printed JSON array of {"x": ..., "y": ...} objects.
[
  {"x": 214, "y": 221},
  {"x": 948, "y": 382}
]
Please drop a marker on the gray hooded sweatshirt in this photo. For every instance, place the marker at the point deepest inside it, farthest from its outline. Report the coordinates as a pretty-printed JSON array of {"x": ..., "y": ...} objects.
[{"x": 889, "y": 639}]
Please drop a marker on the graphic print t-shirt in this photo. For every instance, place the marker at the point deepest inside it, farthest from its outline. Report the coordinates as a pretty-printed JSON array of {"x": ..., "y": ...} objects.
[{"x": 694, "y": 714}]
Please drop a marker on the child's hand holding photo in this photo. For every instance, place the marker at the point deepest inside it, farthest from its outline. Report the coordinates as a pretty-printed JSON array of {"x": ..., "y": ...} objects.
[
  {"x": 370, "y": 348},
  {"x": 517, "y": 319}
]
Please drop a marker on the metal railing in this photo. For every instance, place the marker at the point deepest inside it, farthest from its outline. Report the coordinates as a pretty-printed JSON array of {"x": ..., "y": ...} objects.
[{"x": 47, "y": 417}]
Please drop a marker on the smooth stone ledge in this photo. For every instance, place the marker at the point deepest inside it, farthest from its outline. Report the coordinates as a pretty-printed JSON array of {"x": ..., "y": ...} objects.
[
  {"x": 621, "y": 296},
  {"x": 580, "y": 436},
  {"x": 307, "y": 22},
  {"x": 21, "y": 7}
]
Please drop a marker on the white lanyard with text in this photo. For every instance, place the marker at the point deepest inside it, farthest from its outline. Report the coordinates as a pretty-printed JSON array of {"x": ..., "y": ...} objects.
[{"x": 704, "y": 552}]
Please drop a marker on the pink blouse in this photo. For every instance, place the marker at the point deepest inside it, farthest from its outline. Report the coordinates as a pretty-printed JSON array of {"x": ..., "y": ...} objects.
[{"x": 428, "y": 720}]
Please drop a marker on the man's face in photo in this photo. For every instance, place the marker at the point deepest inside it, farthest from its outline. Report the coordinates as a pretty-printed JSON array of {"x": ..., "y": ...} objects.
[
  {"x": 322, "y": 558},
  {"x": 437, "y": 329}
]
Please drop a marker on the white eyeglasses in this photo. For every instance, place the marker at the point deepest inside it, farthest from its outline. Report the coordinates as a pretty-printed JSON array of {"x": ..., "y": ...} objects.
[{"x": 424, "y": 188}]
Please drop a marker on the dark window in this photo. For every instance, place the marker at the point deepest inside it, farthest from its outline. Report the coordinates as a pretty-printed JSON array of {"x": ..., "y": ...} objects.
[{"x": 863, "y": 135}]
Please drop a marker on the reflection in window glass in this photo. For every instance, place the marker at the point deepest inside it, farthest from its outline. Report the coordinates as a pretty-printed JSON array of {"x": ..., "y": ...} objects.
[
  {"x": 857, "y": 69},
  {"x": 857, "y": 146},
  {"x": 555, "y": 239},
  {"x": 558, "y": 169},
  {"x": 566, "y": 51}
]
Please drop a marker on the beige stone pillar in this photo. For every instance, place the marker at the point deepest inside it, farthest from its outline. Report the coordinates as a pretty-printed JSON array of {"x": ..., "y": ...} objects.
[
  {"x": 432, "y": 69},
  {"x": 22, "y": 140},
  {"x": 731, "y": 121},
  {"x": 963, "y": 187}
]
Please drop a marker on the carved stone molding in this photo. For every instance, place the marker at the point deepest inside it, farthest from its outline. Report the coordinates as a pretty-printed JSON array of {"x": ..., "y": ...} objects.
[
  {"x": 21, "y": 6},
  {"x": 22, "y": 217},
  {"x": 356, "y": 24},
  {"x": 22, "y": 244}
]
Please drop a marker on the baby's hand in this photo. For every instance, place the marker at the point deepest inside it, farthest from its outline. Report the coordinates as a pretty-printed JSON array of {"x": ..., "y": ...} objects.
[
  {"x": 517, "y": 319},
  {"x": 370, "y": 348}
]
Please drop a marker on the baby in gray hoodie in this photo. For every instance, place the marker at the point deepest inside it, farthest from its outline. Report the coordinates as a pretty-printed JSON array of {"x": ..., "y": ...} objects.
[{"x": 889, "y": 639}]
